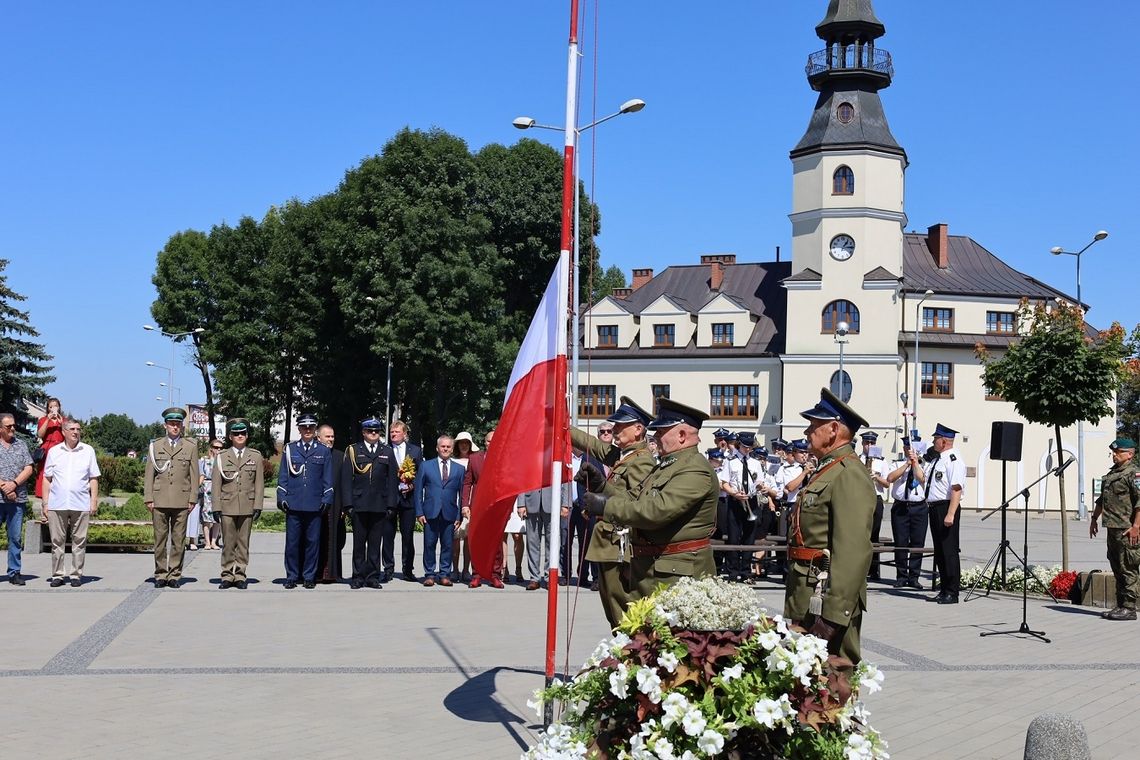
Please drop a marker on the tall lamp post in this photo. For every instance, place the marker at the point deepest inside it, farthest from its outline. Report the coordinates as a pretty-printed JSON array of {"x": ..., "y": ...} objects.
[
  {"x": 174, "y": 338},
  {"x": 1058, "y": 251},
  {"x": 917, "y": 364},
  {"x": 841, "y": 331},
  {"x": 169, "y": 385},
  {"x": 526, "y": 122}
]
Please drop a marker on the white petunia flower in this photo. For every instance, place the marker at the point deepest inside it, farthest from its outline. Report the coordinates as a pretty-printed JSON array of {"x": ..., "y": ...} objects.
[
  {"x": 668, "y": 660},
  {"x": 769, "y": 640},
  {"x": 733, "y": 672},
  {"x": 649, "y": 684},
  {"x": 674, "y": 706},
  {"x": 858, "y": 748},
  {"x": 871, "y": 679},
  {"x": 777, "y": 660},
  {"x": 664, "y": 749},
  {"x": 694, "y": 722},
  {"x": 619, "y": 682},
  {"x": 767, "y": 712},
  {"x": 711, "y": 743},
  {"x": 535, "y": 702}
]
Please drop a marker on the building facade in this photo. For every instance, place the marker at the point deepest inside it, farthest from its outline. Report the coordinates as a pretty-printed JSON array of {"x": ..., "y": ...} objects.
[{"x": 752, "y": 343}]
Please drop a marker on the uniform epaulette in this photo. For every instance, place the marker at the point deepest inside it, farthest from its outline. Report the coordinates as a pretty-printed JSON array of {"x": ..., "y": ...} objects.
[{"x": 953, "y": 458}]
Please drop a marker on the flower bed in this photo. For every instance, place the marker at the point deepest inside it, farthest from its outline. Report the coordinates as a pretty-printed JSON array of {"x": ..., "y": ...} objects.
[
  {"x": 1015, "y": 578},
  {"x": 697, "y": 671}
]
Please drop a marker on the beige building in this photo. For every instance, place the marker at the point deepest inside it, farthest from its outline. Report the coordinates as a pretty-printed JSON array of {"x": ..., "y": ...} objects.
[{"x": 752, "y": 343}]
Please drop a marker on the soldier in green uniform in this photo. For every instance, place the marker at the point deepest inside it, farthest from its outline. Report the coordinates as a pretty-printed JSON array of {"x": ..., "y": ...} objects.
[
  {"x": 1119, "y": 502},
  {"x": 629, "y": 461},
  {"x": 672, "y": 511},
  {"x": 830, "y": 531},
  {"x": 170, "y": 491},
  {"x": 238, "y": 491}
]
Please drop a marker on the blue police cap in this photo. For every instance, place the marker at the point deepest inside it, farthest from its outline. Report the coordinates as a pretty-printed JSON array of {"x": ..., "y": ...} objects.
[
  {"x": 758, "y": 453},
  {"x": 307, "y": 419},
  {"x": 630, "y": 412},
  {"x": 941, "y": 431},
  {"x": 670, "y": 413},
  {"x": 831, "y": 408},
  {"x": 371, "y": 423},
  {"x": 720, "y": 433},
  {"x": 746, "y": 439},
  {"x": 714, "y": 454},
  {"x": 800, "y": 445},
  {"x": 731, "y": 437},
  {"x": 870, "y": 437},
  {"x": 779, "y": 444}
]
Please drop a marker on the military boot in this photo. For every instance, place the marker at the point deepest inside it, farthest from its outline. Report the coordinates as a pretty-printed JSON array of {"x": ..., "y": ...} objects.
[{"x": 1121, "y": 613}]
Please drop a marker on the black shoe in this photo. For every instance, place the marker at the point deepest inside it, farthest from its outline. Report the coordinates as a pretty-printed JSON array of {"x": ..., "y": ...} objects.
[
  {"x": 226, "y": 584},
  {"x": 16, "y": 580},
  {"x": 173, "y": 583},
  {"x": 76, "y": 582},
  {"x": 310, "y": 584},
  {"x": 411, "y": 578},
  {"x": 563, "y": 581},
  {"x": 941, "y": 595},
  {"x": 386, "y": 577},
  {"x": 373, "y": 584},
  {"x": 57, "y": 582},
  {"x": 159, "y": 583},
  {"x": 290, "y": 584},
  {"x": 913, "y": 583},
  {"x": 594, "y": 586},
  {"x": 949, "y": 599},
  {"x": 1121, "y": 613},
  {"x": 355, "y": 583},
  {"x": 240, "y": 584},
  {"x": 901, "y": 583}
]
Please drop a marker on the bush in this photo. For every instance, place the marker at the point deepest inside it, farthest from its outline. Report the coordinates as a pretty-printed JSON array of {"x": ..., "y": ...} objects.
[
  {"x": 134, "y": 509},
  {"x": 120, "y": 474},
  {"x": 270, "y": 469},
  {"x": 139, "y": 535},
  {"x": 272, "y": 521}
]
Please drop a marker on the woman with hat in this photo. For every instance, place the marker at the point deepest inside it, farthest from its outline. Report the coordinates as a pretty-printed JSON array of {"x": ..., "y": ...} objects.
[{"x": 464, "y": 445}]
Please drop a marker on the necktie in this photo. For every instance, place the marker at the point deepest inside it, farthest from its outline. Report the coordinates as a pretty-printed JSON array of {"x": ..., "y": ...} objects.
[
  {"x": 445, "y": 471},
  {"x": 239, "y": 453},
  {"x": 371, "y": 450},
  {"x": 308, "y": 446}
]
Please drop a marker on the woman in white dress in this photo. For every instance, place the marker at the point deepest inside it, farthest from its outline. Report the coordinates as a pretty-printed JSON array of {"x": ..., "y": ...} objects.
[{"x": 210, "y": 529}]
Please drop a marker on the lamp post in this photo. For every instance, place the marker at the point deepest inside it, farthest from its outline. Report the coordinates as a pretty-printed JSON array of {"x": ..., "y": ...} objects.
[
  {"x": 526, "y": 122},
  {"x": 173, "y": 388},
  {"x": 1057, "y": 251},
  {"x": 174, "y": 338},
  {"x": 169, "y": 385},
  {"x": 840, "y": 337},
  {"x": 917, "y": 364}
]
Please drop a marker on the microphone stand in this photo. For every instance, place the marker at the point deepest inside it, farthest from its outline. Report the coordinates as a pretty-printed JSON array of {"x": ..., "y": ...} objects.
[{"x": 1024, "y": 627}]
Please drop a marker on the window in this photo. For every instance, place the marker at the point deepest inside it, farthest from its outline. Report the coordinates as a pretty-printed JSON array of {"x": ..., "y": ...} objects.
[
  {"x": 664, "y": 335},
  {"x": 937, "y": 320},
  {"x": 658, "y": 392},
  {"x": 845, "y": 112},
  {"x": 1001, "y": 322},
  {"x": 607, "y": 336},
  {"x": 596, "y": 400},
  {"x": 843, "y": 181},
  {"x": 722, "y": 334},
  {"x": 841, "y": 388},
  {"x": 937, "y": 380},
  {"x": 734, "y": 401},
  {"x": 840, "y": 311}
]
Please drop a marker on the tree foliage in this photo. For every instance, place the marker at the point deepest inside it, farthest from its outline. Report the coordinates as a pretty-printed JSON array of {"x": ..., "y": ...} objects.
[
  {"x": 25, "y": 367},
  {"x": 426, "y": 255},
  {"x": 606, "y": 283},
  {"x": 116, "y": 434}
]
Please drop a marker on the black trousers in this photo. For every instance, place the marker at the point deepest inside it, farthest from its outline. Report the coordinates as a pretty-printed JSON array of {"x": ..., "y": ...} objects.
[
  {"x": 876, "y": 525},
  {"x": 908, "y": 526},
  {"x": 407, "y": 540},
  {"x": 721, "y": 532},
  {"x": 388, "y": 539},
  {"x": 367, "y": 529},
  {"x": 946, "y": 546},
  {"x": 741, "y": 531},
  {"x": 581, "y": 528}
]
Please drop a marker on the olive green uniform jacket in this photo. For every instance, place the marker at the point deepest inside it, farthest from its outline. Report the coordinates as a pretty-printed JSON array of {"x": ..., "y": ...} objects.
[
  {"x": 675, "y": 502},
  {"x": 627, "y": 469},
  {"x": 239, "y": 483},
  {"x": 835, "y": 511},
  {"x": 1119, "y": 498},
  {"x": 176, "y": 487}
]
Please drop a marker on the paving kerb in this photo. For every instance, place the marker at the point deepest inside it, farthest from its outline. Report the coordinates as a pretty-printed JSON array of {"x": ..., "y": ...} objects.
[{"x": 407, "y": 670}]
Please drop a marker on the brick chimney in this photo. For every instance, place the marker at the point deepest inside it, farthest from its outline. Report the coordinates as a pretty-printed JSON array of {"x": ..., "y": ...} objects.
[
  {"x": 938, "y": 241},
  {"x": 717, "y": 262},
  {"x": 640, "y": 277},
  {"x": 621, "y": 292}
]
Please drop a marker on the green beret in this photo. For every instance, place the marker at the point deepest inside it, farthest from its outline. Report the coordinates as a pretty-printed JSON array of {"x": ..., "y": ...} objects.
[
  {"x": 174, "y": 414},
  {"x": 1123, "y": 443}
]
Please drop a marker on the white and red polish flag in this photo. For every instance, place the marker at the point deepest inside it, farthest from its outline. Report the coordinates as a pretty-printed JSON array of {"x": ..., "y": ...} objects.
[{"x": 533, "y": 431}]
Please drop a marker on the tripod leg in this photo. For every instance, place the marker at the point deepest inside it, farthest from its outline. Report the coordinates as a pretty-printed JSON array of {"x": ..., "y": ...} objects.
[{"x": 991, "y": 566}]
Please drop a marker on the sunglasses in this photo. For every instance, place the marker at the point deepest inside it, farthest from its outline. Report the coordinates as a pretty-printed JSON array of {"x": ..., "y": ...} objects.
[
  {"x": 215, "y": 448},
  {"x": 236, "y": 433},
  {"x": 9, "y": 427}
]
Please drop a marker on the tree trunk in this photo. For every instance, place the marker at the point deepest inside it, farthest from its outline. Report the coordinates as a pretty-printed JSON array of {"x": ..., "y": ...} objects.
[
  {"x": 204, "y": 368},
  {"x": 1064, "y": 514}
]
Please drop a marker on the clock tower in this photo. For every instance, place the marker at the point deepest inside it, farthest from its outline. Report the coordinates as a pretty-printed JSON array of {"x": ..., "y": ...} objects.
[{"x": 847, "y": 225}]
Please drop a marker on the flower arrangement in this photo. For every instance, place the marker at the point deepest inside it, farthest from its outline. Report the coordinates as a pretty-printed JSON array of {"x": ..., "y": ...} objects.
[
  {"x": 1062, "y": 584},
  {"x": 1015, "y": 578},
  {"x": 407, "y": 471},
  {"x": 698, "y": 671}
]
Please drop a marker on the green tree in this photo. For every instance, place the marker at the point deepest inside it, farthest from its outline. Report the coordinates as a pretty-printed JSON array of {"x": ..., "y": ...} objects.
[
  {"x": 25, "y": 367},
  {"x": 116, "y": 434},
  {"x": 605, "y": 284},
  {"x": 1128, "y": 402},
  {"x": 1055, "y": 375}
]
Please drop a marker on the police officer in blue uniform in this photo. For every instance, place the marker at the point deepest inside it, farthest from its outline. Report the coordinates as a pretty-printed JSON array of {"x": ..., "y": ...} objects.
[{"x": 304, "y": 493}]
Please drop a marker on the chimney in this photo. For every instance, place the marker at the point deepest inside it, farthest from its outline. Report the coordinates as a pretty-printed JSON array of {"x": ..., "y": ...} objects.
[
  {"x": 621, "y": 292},
  {"x": 728, "y": 259},
  {"x": 716, "y": 276},
  {"x": 938, "y": 241},
  {"x": 717, "y": 262},
  {"x": 640, "y": 277}
]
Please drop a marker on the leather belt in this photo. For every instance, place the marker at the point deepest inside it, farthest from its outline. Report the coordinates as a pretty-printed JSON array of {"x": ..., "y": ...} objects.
[
  {"x": 804, "y": 554},
  {"x": 652, "y": 550}
]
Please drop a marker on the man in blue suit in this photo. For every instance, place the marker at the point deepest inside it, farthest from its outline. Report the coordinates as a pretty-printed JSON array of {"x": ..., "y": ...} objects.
[
  {"x": 436, "y": 496},
  {"x": 304, "y": 493}
]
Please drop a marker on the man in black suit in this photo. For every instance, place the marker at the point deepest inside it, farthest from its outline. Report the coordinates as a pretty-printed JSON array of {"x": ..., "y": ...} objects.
[
  {"x": 368, "y": 488},
  {"x": 334, "y": 535},
  {"x": 402, "y": 450}
]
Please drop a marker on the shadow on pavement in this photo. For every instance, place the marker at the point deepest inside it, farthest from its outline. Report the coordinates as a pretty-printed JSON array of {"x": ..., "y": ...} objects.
[{"x": 1073, "y": 609}]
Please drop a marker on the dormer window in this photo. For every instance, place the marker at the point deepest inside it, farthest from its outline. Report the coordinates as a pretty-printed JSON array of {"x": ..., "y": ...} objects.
[
  {"x": 843, "y": 181},
  {"x": 607, "y": 336},
  {"x": 722, "y": 334},
  {"x": 664, "y": 335}
]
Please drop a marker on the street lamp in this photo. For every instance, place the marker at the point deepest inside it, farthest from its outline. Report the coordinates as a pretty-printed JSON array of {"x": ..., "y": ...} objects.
[
  {"x": 179, "y": 390},
  {"x": 632, "y": 105},
  {"x": 917, "y": 365},
  {"x": 1057, "y": 251},
  {"x": 174, "y": 338},
  {"x": 841, "y": 331},
  {"x": 170, "y": 385}
]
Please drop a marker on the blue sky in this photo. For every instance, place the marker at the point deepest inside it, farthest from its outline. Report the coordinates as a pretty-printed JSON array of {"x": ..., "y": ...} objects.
[{"x": 123, "y": 123}]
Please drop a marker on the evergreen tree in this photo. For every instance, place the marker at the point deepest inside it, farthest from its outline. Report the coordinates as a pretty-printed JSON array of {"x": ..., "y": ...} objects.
[{"x": 24, "y": 365}]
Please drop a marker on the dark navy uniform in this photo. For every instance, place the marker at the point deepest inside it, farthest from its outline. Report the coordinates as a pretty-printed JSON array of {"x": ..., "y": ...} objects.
[
  {"x": 304, "y": 490},
  {"x": 369, "y": 493}
]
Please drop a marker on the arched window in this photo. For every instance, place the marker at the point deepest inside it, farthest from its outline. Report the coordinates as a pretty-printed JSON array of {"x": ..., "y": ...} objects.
[
  {"x": 840, "y": 311},
  {"x": 841, "y": 385},
  {"x": 843, "y": 181}
]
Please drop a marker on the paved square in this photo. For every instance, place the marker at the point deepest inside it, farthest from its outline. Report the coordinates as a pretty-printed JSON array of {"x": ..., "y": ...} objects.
[{"x": 117, "y": 668}]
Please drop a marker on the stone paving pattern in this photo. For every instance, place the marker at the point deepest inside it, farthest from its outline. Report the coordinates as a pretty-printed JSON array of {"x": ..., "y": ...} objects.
[{"x": 117, "y": 668}]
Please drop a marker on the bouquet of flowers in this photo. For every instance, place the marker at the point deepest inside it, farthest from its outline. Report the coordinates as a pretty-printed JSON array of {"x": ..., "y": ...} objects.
[
  {"x": 696, "y": 671},
  {"x": 407, "y": 473}
]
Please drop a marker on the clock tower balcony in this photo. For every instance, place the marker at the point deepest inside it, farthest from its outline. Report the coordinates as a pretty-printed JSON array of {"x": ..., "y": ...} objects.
[{"x": 843, "y": 63}]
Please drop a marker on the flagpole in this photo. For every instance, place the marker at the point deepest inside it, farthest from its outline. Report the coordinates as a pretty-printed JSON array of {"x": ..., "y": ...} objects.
[{"x": 559, "y": 432}]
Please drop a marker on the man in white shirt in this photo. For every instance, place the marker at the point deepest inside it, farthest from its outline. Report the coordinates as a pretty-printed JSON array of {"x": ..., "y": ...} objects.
[
  {"x": 70, "y": 498},
  {"x": 945, "y": 479},
  {"x": 908, "y": 517}
]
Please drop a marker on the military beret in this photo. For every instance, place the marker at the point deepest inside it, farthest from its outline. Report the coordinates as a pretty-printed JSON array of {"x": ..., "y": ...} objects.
[
  {"x": 174, "y": 414},
  {"x": 1123, "y": 444},
  {"x": 941, "y": 431},
  {"x": 830, "y": 407},
  {"x": 746, "y": 439},
  {"x": 671, "y": 413},
  {"x": 630, "y": 412},
  {"x": 237, "y": 425},
  {"x": 307, "y": 419}
]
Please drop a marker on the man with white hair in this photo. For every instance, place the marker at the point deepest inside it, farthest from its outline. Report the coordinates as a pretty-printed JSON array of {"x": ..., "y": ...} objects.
[{"x": 15, "y": 471}]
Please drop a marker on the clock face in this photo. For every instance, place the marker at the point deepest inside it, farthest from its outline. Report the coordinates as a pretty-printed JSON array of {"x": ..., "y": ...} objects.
[{"x": 842, "y": 247}]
